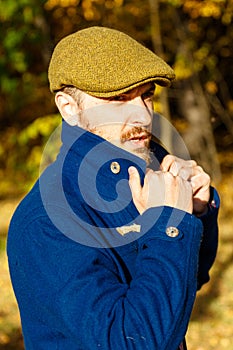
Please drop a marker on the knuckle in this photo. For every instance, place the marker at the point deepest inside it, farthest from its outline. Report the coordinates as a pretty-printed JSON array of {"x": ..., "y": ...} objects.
[
  {"x": 199, "y": 169},
  {"x": 170, "y": 158},
  {"x": 168, "y": 176},
  {"x": 207, "y": 177},
  {"x": 176, "y": 165},
  {"x": 149, "y": 173},
  {"x": 193, "y": 163}
]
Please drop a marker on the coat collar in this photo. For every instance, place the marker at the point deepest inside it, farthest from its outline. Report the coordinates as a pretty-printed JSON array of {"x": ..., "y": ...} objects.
[
  {"x": 90, "y": 177},
  {"x": 96, "y": 157}
]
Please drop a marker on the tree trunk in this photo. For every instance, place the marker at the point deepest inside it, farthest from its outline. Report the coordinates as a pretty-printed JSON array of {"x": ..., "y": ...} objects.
[
  {"x": 199, "y": 136},
  {"x": 166, "y": 131},
  {"x": 195, "y": 109}
]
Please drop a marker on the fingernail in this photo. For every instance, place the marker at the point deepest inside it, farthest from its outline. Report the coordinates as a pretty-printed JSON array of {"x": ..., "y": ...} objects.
[{"x": 131, "y": 170}]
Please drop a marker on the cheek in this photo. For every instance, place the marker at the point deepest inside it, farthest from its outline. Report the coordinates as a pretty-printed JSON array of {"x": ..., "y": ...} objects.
[
  {"x": 110, "y": 132},
  {"x": 100, "y": 116},
  {"x": 89, "y": 119}
]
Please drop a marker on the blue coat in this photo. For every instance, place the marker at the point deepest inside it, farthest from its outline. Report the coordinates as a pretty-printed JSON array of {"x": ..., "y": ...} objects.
[{"x": 88, "y": 271}]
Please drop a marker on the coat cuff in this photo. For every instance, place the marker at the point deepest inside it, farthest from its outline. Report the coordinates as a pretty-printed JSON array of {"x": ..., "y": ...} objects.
[{"x": 169, "y": 224}]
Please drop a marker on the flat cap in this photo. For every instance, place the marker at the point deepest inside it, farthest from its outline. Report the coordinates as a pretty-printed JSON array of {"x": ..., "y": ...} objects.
[{"x": 105, "y": 62}]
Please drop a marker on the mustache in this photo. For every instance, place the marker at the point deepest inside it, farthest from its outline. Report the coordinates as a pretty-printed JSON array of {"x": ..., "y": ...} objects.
[{"x": 135, "y": 132}]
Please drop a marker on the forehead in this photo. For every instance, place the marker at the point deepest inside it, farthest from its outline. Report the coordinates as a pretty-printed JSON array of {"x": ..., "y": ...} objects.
[{"x": 131, "y": 94}]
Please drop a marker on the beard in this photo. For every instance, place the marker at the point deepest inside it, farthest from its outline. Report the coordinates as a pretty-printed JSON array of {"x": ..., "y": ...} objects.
[
  {"x": 142, "y": 152},
  {"x": 132, "y": 134}
]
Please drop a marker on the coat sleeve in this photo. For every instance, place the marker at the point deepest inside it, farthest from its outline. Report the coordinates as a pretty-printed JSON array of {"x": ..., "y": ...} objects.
[{"x": 209, "y": 243}]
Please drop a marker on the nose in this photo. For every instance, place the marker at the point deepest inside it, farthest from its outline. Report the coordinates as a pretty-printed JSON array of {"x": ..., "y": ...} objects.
[{"x": 138, "y": 112}]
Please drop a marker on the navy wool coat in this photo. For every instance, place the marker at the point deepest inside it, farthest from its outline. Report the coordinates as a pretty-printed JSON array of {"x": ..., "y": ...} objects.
[{"x": 88, "y": 271}]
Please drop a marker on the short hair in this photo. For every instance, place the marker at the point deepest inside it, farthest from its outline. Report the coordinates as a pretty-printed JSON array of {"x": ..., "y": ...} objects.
[{"x": 73, "y": 92}]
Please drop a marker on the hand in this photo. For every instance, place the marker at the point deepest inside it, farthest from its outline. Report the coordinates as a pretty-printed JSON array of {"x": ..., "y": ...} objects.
[
  {"x": 160, "y": 189},
  {"x": 190, "y": 171}
]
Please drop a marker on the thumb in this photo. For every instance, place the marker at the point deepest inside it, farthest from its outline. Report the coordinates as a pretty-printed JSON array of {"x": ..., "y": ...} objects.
[{"x": 134, "y": 181}]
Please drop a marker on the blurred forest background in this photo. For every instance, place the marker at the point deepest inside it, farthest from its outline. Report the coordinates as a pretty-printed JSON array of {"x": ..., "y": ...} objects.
[{"x": 195, "y": 37}]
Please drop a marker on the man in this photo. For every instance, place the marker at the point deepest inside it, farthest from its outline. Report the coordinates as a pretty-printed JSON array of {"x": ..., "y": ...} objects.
[{"x": 110, "y": 245}]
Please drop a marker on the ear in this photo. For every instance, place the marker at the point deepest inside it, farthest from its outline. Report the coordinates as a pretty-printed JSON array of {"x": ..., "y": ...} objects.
[{"x": 68, "y": 108}]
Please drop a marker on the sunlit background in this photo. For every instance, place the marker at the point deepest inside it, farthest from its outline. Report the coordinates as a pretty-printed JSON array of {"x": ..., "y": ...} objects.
[{"x": 195, "y": 37}]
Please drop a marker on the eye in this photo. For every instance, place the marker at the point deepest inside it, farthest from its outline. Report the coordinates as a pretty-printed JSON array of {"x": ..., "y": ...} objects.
[
  {"x": 148, "y": 94},
  {"x": 118, "y": 98}
]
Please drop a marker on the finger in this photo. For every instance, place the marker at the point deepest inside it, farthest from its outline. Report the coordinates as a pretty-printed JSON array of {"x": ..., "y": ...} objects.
[
  {"x": 189, "y": 171},
  {"x": 182, "y": 168},
  {"x": 186, "y": 173},
  {"x": 166, "y": 162},
  {"x": 198, "y": 170},
  {"x": 174, "y": 164},
  {"x": 201, "y": 193},
  {"x": 134, "y": 181},
  {"x": 175, "y": 168},
  {"x": 201, "y": 182},
  {"x": 184, "y": 193},
  {"x": 178, "y": 192}
]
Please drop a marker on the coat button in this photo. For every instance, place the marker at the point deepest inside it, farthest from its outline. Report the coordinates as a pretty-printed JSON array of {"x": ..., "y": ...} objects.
[
  {"x": 172, "y": 231},
  {"x": 115, "y": 167}
]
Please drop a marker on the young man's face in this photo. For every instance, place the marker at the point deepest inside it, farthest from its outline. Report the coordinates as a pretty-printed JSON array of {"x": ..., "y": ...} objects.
[{"x": 124, "y": 120}]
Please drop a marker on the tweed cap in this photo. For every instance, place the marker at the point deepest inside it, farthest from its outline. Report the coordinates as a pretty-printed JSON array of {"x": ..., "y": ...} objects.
[{"x": 105, "y": 62}]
